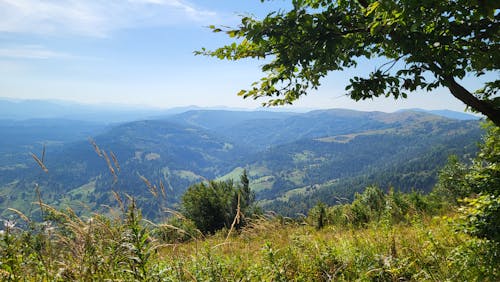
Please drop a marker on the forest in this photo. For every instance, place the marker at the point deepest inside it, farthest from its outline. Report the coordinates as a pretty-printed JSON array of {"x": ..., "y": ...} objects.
[{"x": 450, "y": 233}]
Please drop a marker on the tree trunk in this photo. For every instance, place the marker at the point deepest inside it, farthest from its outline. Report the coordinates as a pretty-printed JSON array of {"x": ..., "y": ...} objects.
[{"x": 470, "y": 100}]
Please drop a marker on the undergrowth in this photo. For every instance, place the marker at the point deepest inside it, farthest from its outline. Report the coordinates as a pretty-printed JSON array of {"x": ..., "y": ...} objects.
[{"x": 125, "y": 247}]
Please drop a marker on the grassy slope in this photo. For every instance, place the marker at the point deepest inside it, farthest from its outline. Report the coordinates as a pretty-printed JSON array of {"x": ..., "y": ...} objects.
[
  {"x": 124, "y": 248},
  {"x": 426, "y": 250}
]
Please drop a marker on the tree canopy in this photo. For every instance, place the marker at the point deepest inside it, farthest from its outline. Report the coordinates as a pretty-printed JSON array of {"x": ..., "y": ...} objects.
[{"x": 426, "y": 44}]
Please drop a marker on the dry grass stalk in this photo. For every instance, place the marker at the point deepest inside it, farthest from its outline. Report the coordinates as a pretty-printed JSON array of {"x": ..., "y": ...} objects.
[
  {"x": 119, "y": 200},
  {"x": 20, "y": 214},
  {"x": 152, "y": 188},
  {"x": 54, "y": 211},
  {"x": 43, "y": 153},
  {"x": 162, "y": 187},
  {"x": 237, "y": 218},
  {"x": 40, "y": 163},
  {"x": 39, "y": 195},
  {"x": 175, "y": 213},
  {"x": 110, "y": 166},
  {"x": 96, "y": 148},
  {"x": 115, "y": 160}
]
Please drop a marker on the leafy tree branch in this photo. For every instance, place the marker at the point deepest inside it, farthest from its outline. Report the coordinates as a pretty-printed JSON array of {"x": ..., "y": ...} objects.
[{"x": 441, "y": 40}]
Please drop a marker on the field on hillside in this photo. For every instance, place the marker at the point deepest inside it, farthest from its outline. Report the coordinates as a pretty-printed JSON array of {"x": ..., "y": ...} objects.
[
  {"x": 425, "y": 250},
  {"x": 271, "y": 248}
]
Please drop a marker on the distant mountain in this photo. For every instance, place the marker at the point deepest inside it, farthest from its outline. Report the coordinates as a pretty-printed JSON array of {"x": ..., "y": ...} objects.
[
  {"x": 18, "y": 109},
  {"x": 47, "y": 109},
  {"x": 447, "y": 114},
  {"x": 293, "y": 159},
  {"x": 220, "y": 120}
]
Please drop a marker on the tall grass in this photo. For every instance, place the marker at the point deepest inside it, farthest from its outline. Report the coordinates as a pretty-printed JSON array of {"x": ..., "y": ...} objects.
[{"x": 124, "y": 247}]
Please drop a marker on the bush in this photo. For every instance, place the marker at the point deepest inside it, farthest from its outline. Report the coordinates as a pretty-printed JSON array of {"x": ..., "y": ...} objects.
[
  {"x": 481, "y": 217},
  {"x": 317, "y": 216},
  {"x": 176, "y": 230},
  {"x": 217, "y": 204},
  {"x": 452, "y": 184},
  {"x": 482, "y": 213}
]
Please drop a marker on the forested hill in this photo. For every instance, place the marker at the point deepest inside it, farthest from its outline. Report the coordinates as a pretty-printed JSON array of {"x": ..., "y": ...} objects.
[{"x": 294, "y": 160}]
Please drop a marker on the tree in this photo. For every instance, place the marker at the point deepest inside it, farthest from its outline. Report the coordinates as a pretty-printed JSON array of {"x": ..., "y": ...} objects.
[
  {"x": 209, "y": 205},
  {"x": 247, "y": 197},
  {"x": 452, "y": 185},
  {"x": 426, "y": 44},
  {"x": 480, "y": 181},
  {"x": 216, "y": 204}
]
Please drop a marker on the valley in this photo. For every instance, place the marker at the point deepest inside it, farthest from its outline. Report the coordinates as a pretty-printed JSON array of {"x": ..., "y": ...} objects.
[{"x": 294, "y": 160}]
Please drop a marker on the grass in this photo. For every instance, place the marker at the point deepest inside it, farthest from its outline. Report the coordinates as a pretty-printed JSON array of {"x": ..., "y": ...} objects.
[
  {"x": 124, "y": 247},
  {"x": 425, "y": 250},
  {"x": 232, "y": 175}
]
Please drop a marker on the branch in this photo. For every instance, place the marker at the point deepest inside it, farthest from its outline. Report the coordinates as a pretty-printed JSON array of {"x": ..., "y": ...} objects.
[{"x": 472, "y": 101}]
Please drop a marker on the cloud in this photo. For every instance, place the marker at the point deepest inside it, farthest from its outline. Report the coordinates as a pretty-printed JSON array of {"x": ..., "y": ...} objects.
[
  {"x": 95, "y": 17},
  {"x": 30, "y": 52}
]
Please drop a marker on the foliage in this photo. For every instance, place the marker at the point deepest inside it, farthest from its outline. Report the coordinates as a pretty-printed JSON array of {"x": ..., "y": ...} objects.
[
  {"x": 425, "y": 45},
  {"x": 481, "y": 216},
  {"x": 65, "y": 247},
  {"x": 452, "y": 184},
  {"x": 479, "y": 184},
  {"x": 484, "y": 176},
  {"x": 216, "y": 204},
  {"x": 209, "y": 205},
  {"x": 318, "y": 215},
  {"x": 123, "y": 247}
]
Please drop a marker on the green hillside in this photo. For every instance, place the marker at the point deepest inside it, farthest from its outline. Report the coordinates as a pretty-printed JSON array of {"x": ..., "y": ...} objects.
[{"x": 297, "y": 158}]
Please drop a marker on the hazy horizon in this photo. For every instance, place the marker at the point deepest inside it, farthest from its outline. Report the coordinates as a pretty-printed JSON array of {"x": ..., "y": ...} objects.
[{"x": 123, "y": 108}]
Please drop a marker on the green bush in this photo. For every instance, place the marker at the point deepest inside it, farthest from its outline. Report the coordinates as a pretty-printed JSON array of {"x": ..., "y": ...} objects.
[
  {"x": 481, "y": 217},
  {"x": 452, "y": 184},
  {"x": 484, "y": 175},
  {"x": 482, "y": 213},
  {"x": 176, "y": 230},
  {"x": 317, "y": 216},
  {"x": 218, "y": 204}
]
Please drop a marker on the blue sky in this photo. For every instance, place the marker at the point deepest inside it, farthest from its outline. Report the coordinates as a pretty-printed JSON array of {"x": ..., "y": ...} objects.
[{"x": 141, "y": 52}]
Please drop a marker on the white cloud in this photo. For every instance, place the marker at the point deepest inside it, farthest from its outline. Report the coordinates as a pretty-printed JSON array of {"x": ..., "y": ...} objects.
[
  {"x": 94, "y": 17},
  {"x": 30, "y": 52}
]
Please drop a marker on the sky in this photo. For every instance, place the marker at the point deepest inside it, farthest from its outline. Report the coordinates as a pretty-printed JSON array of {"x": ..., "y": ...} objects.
[{"x": 140, "y": 52}]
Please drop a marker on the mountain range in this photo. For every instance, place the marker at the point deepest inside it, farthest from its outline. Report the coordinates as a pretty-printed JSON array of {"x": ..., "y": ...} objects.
[{"x": 293, "y": 160}]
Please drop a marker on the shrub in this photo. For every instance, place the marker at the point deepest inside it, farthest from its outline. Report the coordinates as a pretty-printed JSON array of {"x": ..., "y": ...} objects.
[
  {"x": 452, "y": 184},
  {"x": 218, "y": 204},
  {"x": 481, "y": 217}
]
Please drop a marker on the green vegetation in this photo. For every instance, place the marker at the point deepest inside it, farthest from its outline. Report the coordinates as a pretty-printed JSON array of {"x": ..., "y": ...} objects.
[
  {"x": 354, "y": 184},
  {"x": 419, "y": 46},
  {"x": 481, "y": 214},
  {"x": 381, "y": 234},
  {"x": 378, "y": 237},
  {"x": 286, "y": 156},
  {"x": 219, "y": 204}
]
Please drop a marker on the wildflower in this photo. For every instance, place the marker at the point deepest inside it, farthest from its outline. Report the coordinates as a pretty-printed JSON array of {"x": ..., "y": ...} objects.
[
  {"x": 47, "y": 226},
  {"x": 9, "y": 224}
]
